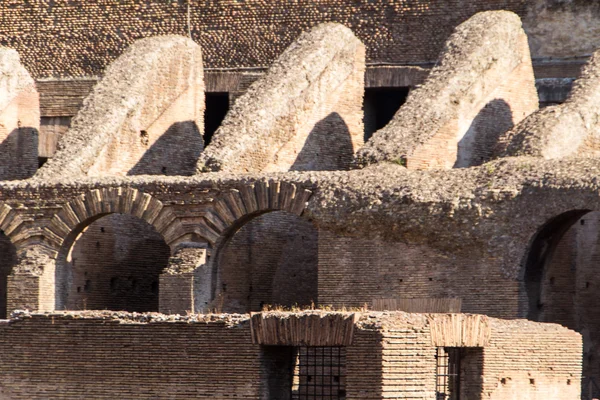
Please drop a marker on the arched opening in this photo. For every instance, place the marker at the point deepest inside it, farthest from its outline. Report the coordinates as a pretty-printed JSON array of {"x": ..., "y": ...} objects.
[
  {"x": 271, "y": 260},
  {"x": 561, "y": 279},
  {"x": 112, "y": 263},
  {"x": 8, "y": 258}
]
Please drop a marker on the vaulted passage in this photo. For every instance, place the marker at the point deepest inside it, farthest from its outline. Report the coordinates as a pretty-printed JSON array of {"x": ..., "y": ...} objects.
[
  {"x": 380, "y": 106},
  {"x": 217, "y": 105},
  {"x": 113, "y": 264},
  {"x": 8, "y": 258},
  {"x": 562, "y": 280},
  {"x": 271, "y": 260}
]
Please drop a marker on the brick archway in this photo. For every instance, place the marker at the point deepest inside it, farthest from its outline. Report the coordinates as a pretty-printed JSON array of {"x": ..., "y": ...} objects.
[
  {"x": 10, "y": 224},
  {"x": 231, "y": 211},
  {"x": 234, "y": 207},
  {"x": 100, "y": 202}
]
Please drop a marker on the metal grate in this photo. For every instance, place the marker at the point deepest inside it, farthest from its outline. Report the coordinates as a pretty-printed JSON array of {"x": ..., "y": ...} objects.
[
  {"x": 319, "y": 373},
  {"x": 447, "y": 377}
]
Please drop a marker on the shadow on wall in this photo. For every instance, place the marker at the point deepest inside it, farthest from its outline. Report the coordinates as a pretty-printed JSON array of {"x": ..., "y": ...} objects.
[
  {"x": 477, "y": 145},
  {"x": 271, "y": 259},
  {"x": 114, "y": 264},
  {"x": 175, "y": 152},
  {"x": 8, "y": 259},
  {"x": 328, "y": 147},
  {"x": 539, "y": 255},
  {"x": 19, "y": 154}
]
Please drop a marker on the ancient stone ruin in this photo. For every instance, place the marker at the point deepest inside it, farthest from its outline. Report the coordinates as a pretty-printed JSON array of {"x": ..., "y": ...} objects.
[{"x": 299, "y": 200}]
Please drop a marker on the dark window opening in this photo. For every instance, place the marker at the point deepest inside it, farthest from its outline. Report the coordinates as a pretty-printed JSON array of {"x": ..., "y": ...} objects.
[
  {"x": 447, "y": 374},
  {"x": 217, "y": 105},
  {"x": 319, "y": 373},
  {"x": 380, "y": 106},
  {"x": 42, "y": 161},
  {"x": 304, "y": 373}
]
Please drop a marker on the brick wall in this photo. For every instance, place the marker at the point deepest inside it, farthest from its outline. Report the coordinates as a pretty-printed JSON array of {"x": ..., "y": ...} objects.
[
  {"x": 408, "y": 373},
  {"x": 119, "y": 355},
  {"x": 46, "y": 357},
  {"x": 536, "y": 361},
  {"x": 353, "y": 271},
  {"x": 80, "y": 38},
  {"x": 568, "y": 284},
  {"x": 271, "y": 260}
]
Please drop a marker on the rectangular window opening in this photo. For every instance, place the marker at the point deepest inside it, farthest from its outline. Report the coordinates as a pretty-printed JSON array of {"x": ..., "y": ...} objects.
[
  {"x": 380, "y": 106},
  {"x": 447, "y": 376},
  {"x": 319, "y": 373},
  {"x": 217, "y": 106}
]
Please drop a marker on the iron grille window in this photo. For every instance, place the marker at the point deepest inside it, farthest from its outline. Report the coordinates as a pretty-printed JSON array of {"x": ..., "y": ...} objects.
[
  {"x": 319, "y": 373},
  {"x": 447, "y": 377}
]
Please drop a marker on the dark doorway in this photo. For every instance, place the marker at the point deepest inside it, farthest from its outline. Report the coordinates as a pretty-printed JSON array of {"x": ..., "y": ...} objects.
[
  {"x": 381, "y": 104},
  {"x": 217, "y": 105},
  {"x": 304, "y": 373}
]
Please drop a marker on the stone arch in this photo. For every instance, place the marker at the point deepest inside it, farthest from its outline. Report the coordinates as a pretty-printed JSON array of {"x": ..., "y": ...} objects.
[
  {"x": 540, "y": 251},
  {"x": 230, "y": 212},
  {"x": 560, "y": 278},
  {"x": 12, "y": 225},
  {"x": 127, "y": 205},
  {"x": 92, "y": 205},
  {"x": 236, "y": 206}
]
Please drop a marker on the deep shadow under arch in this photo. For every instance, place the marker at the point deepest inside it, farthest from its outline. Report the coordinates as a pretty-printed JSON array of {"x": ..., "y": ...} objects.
[
  {"x": 268, "y": 258},
  {"x": 111, "y": 261},
  {"x": 8, "y": 259},
  {"x": 541, "y": 251}
]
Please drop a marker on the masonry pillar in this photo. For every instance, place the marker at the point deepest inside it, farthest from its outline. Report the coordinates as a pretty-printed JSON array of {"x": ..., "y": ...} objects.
[
  {"x": 180, "y": 280},
  {"x": 31, "y": 285}
]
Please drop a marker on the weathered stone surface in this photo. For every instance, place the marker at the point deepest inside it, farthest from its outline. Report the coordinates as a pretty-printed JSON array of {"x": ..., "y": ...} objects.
[
  {"x": 562, "y": 28},
  {"x": 19, "y": 118},
  {"x": 304, "y": 114},
  {"x": 482, "y": 86},
  {"x": 568, "y": 129},
  {"x": 144, "y": 117}
]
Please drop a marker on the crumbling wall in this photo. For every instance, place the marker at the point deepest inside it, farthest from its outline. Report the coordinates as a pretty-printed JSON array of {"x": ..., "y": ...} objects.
[
  {"x": 144, "y": 117},
  {"x": 535, "y": 361},
  {"x": 304, "y": 114},
  {"x": 185, "y": 279},
  {"x": 568, "y": 129},
  {"x": 482, "y": 85},
  {"x": 19, "y": 119}
]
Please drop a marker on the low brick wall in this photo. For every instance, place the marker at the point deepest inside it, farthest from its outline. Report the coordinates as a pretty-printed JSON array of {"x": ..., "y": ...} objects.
[{"x": 108, "y": 355}]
